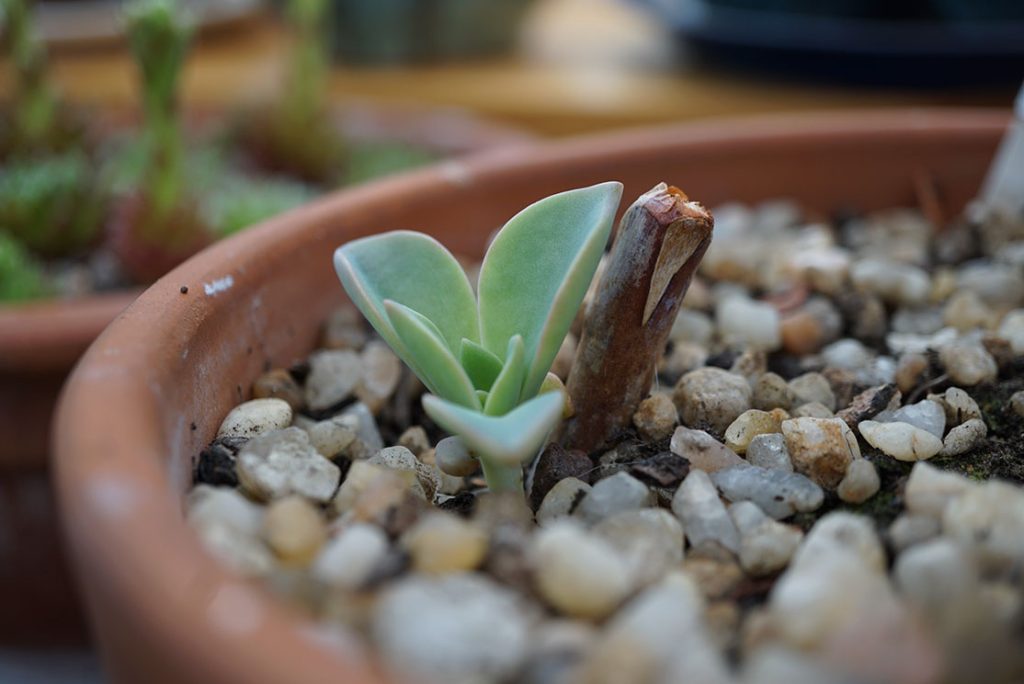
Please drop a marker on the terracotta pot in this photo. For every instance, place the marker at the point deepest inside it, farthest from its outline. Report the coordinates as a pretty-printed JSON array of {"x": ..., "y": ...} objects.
[
  {"x": 152, "y": 390},
  {"x": 39, "y": 345}
]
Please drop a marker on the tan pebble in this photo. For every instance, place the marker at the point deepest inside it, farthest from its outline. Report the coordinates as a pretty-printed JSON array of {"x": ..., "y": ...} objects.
[
  {"x": 910, "y": 371},
  {"x": 294, "y": 529},
  {"x": 441, "y": 543},
  {"x": 771, "y": 391},
  {"x": 821, "y": 448},
  {"x": 656, "y": 417},
  {"x": 279, "y": 384},
  {"x": 344, "y": 329},
  {"x": 381, "y": 372},
  {"x": 415, "y": 440},
  {"x": 750, "y": 424},
  {"x": 860, "y": 482}
]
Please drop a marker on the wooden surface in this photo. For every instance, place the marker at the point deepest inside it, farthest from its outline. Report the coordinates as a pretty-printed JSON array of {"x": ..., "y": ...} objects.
[{"x": 583, "y": 65}]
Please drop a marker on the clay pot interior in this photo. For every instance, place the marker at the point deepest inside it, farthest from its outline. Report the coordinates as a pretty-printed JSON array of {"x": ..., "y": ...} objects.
[{"x": 151, "y": 392}]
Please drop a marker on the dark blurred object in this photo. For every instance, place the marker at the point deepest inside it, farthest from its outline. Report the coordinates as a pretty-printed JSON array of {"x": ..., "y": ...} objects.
[
  {"x": 79, "y": 23},
  {"x": 402, "y": 31},
  {"x": 918, "y": 43}
]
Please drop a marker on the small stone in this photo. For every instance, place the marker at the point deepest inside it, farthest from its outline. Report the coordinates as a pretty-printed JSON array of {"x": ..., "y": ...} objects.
[
  {"x": 441, "y": 543},
  {"x": 375, "y": 493},
  {"x": 224, "y": 506},
  {"x": 866, "y": 316},
  {"x": 350, "y": 559},
  {"x": 847, "y": 354},
  {"x": 333, "y": 375},
  {"x": 813, "y": 387},
  {"x": 359, "y": 417},
  {"x": 844, "y": 382},
  {"x": 821, "y": 448},
  {"x": 283, "y": 462},
  {"x": 683, "y": 358},
  {"x": 692, "y": 326},
  {"x": 771, "y": 391},
  {"x": 747, "y": 323},
  {"x": 279, "y": 384},
  {"x": 1017, "y": 402},
  {"x": 704, "y": 516},
  {"x": 813, "y": 409},
  {"x": 909, "y": 529},
  {"x": 926, "y": 415},
  {"x": 711, "y": 398},
  {"x": 620, "y": 492},
  {"x": 843, "y": 535},
  {"x": 556, "y": 648},
  {"x": 255, "y": 417},
  {"x": 929, "y": 490},
  {"x": 664, "y": 469},
  {"x": 702, "y": 450},
  {"x": 965, "y": 311},
  {"x": 455, "y": 628},
  {"x": 344, "y": 329},
  {"x": 964, "y": 437},
  {"x": 359, "y": 475},
  {"x": 453, "y": 458},
  {"x": 895, "y": 282},
  {"x": 1000, "y": 285},
  {"x": 554, "y": 465},
  {"x": 959, "y": 406},
  {"x": 968, "y": 363},
  {"x": 778, "y": 493},
  {"x": 902, "y": 441},
  {"x": 868, "y": 404},
  {"x": 765, "y": 545},
  {"x": 918, "y": 321},
  {"x": 216, "y": 464},
  {"x": 811, "y": 327},
  {"x": 716, "y": 579},
  {"x": 769, "y": 451},
  {"x": 294, "y": 529},
  {"x": 751, "y": 364},
  {"x": 562, "y": 499},
  {"x": 331, "y": 437},
  {"x": 400, "y": 458},
  {"x": 860, "y": 483},
  {"x": 990, "y": 517},
  {"x": 1011, "y": 329},
  {"x": 656, "y": 417},
  {"x": 579, "y": 574},
  {"x": 649, "y": 539},
  {"x": 245, "y": 554},
  {"x": 415, "y": 440},
  {"x": 381, "y": 372},
  {"x": 910, "y": 371},
  {"x": 750, "y": 424},
  {"x": 938, "y": 576}
]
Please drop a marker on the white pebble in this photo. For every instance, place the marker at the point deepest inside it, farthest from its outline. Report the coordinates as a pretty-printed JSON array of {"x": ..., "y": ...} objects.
[
  {"x": 860, "y": 483},
  {"x": 349, "y": 559},
  {"x": 963, "y": 438},
  {"x": 902, "y": 441},
  {"x": 704, "y": 516},
  {"x": 284, "y": 462},
  {"x": 255, "y": 417},
  {"x": 333, "y": 375}
]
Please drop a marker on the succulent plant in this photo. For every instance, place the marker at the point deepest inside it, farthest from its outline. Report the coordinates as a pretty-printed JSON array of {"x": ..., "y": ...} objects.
[
  {"x": 21, "y": 277},
  {"x": 243, "y": 202},
  {"x": 54, "y": 205},
  {"x": 484, "y": 358}
]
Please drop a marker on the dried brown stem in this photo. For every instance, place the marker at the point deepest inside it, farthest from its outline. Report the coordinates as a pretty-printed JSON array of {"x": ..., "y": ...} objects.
[{"x": 661, "y": 240}]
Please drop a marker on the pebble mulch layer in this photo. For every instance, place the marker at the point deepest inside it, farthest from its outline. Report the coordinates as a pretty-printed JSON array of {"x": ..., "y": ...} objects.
[{"x": 825, "y": 484}]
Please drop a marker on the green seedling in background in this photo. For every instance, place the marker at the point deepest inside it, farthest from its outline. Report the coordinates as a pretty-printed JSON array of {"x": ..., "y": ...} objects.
[
  {"x": 54, "y": 205},
  {"x": 484, "y": 358},
  {"x": 159, "y": 38},
  {"x": 21, "y": 277},
  {"x": 37, "y": 123}
]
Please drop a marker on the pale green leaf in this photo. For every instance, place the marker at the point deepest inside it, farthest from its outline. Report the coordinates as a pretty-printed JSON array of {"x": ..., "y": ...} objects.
[
  {"x": 537, "y": 271},
  {"x": 433, "y": 361},
  {"x": 504, "y": 394},
  {"x": 416, "y": 271},
  {"x": 510, "y": 439},
  {"x": 481, "y": 365}
]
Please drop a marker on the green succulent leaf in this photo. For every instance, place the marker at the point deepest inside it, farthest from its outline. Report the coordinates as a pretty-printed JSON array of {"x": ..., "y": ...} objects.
[
  {"x": 431, "y": 358},
  {"x": 414, "y": 270},
  {"x": 504, "y": 394},
  {"x": 537, "y": 271},
  {"x": 508, "y": 440},
  {"x": 481, "y": 365}
]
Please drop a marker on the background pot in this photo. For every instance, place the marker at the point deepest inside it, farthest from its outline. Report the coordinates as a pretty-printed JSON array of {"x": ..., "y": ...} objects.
[
  {"x": 40, "y": 343},
  {"x": 152, "y": 390}
]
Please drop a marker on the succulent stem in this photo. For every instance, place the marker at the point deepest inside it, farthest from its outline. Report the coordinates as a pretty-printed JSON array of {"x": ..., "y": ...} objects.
[{"x": 35, "y": 108}]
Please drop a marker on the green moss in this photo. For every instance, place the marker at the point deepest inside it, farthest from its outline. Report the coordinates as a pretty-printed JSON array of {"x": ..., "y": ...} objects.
[{"x": 21, "y": 277}]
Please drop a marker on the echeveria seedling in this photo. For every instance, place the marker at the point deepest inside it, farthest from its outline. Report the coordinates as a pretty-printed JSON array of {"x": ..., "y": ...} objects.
[{"x": 484, "y": 358}]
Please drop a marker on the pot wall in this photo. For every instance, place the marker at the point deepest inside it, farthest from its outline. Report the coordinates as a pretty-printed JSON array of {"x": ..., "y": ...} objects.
[{"x": 153, "y": 389}]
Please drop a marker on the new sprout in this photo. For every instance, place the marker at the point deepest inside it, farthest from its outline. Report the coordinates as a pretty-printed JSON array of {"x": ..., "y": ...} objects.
[{"x": 484, "y": 358}]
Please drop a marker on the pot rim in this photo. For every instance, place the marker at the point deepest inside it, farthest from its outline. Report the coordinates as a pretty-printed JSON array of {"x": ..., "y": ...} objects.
[{"x": 117, "y": 496}]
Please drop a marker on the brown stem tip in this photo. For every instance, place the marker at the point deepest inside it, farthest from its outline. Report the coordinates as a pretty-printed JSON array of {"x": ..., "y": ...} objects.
[{"x": 661, "y": 241}]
